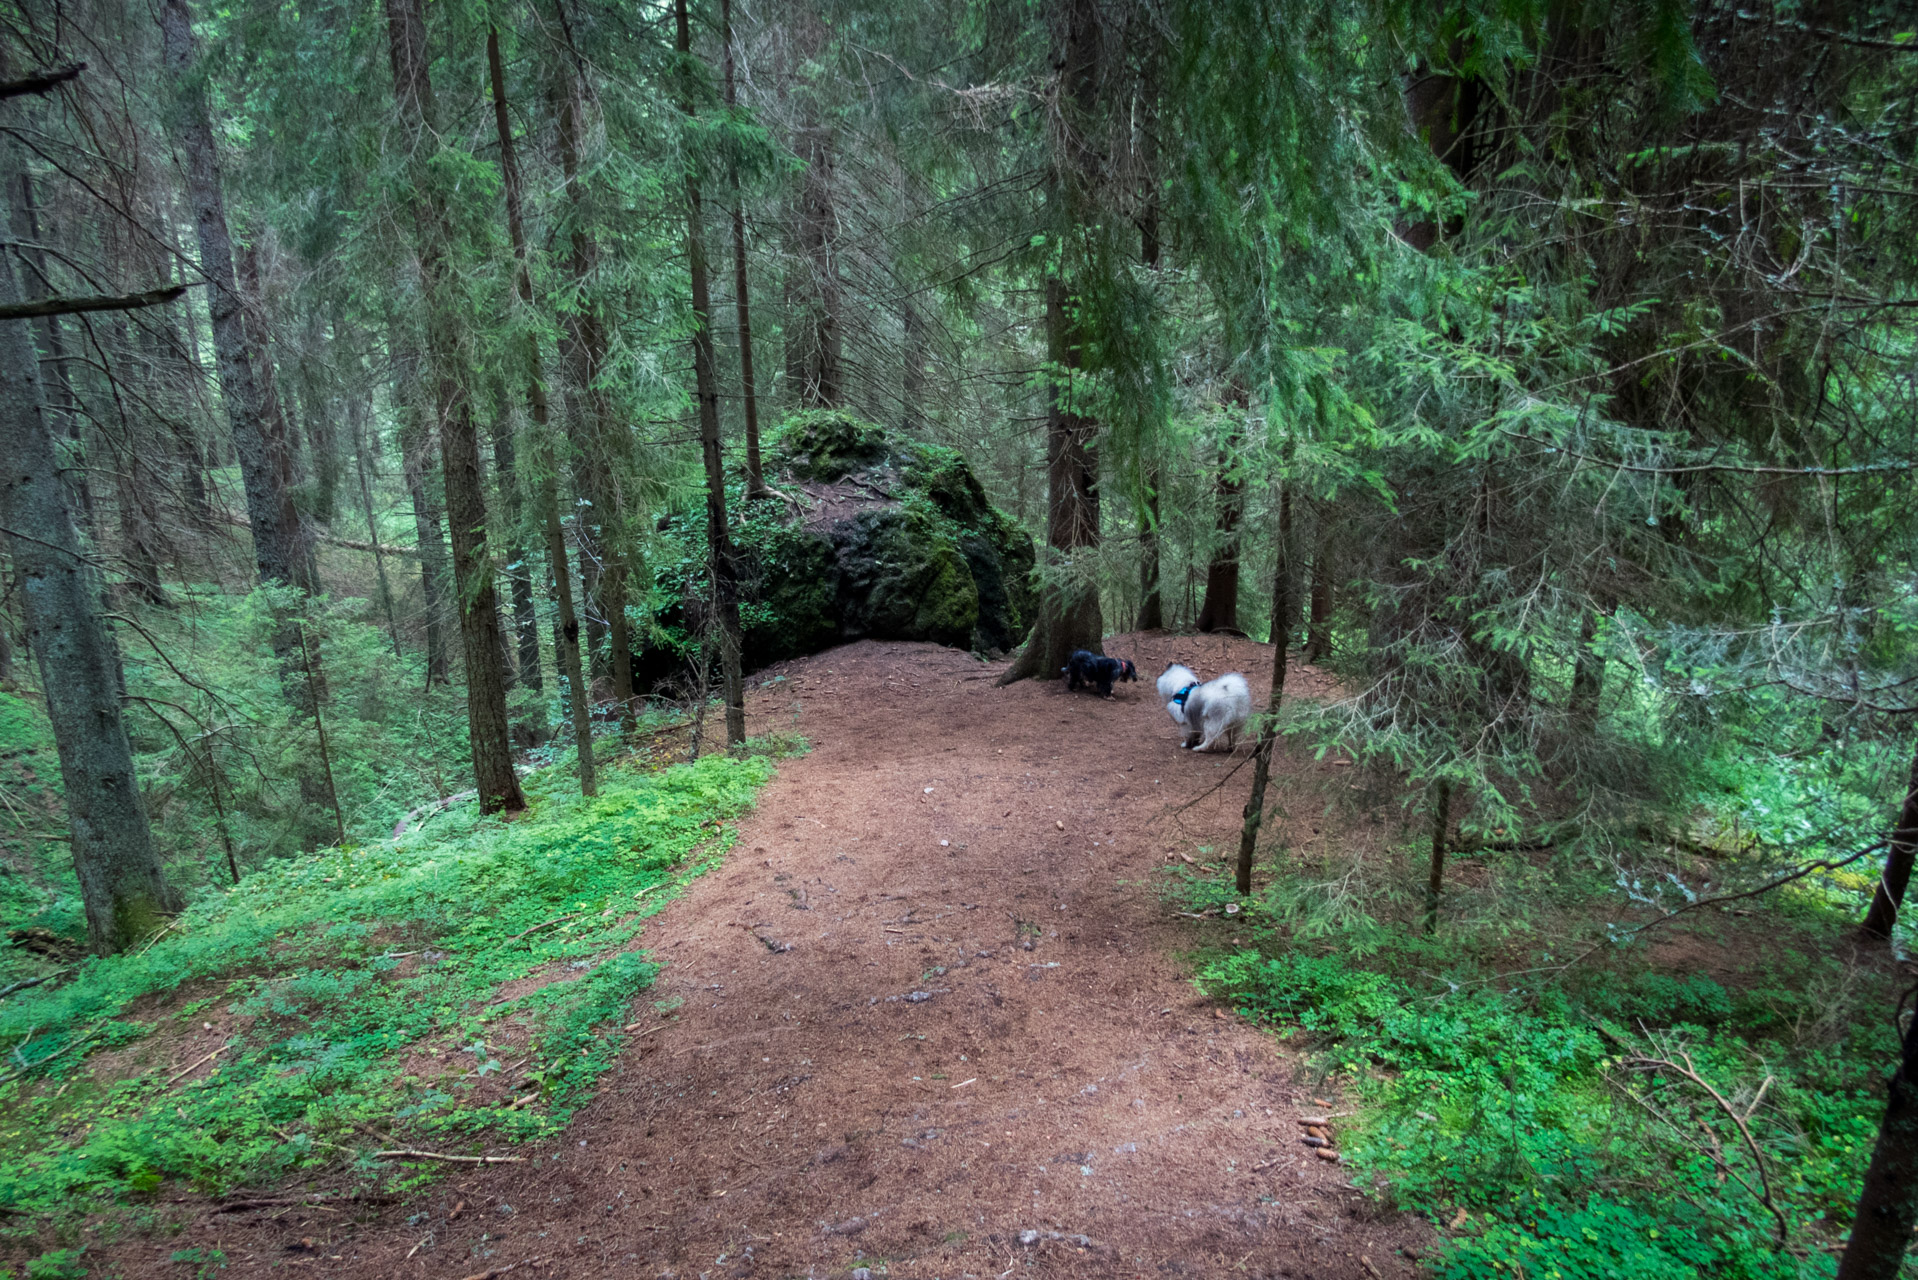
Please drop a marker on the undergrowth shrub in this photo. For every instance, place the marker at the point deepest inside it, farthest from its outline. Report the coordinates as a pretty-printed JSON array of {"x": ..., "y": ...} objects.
[
  {"x": 333, "y": 971},
  {"x": 1527, "y": 1119}
]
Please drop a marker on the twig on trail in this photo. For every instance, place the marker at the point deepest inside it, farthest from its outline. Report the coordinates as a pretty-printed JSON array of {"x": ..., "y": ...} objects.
[
  {"x": 304, "y": 1202},
  {"x": 1689, "y": 1072},
  {"x": 193, "y": 1066},
  {"x": 500, "y": 1271},
  {"x": 543, "y": 924},
  {"x": 410, "y": 1154}
]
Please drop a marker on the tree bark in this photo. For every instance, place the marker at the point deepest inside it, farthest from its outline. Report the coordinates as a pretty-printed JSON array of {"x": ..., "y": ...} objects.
[
  {"x": 1253, "y": 816},
  {"x": 1069, "y": 613},
  {"x": 1151, "y": 601},
  {"x": 719, "y": 546},
  {"x": 480, "y": 638},
  {"x": 1318, "y": 631},
  {"x": 1881, "y": 1228},
  {"x": 1220, "y": 612},
  {"x": 1888, "y": 898},
  {"x": 416, "y": 461},
  {"x": 749, "y": 391},
  {"x": 278, "y": 547},
  {"x": 601, "y": 448},
  {"x": 122, "y": 885}
]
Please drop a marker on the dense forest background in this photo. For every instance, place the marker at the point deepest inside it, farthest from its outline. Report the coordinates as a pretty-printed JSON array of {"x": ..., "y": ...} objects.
[{"x": 410, "y": 390}]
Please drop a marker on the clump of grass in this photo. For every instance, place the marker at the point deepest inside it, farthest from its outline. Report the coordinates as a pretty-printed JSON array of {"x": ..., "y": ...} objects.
[{"x": 336, "y": 970}]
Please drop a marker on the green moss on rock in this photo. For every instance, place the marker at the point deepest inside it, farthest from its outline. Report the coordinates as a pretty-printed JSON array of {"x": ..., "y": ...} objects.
[{"x": 885, "y": 537}]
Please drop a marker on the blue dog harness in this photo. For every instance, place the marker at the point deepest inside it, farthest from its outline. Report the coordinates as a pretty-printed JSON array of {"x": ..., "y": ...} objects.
[{"x": 1178, "y": 699}]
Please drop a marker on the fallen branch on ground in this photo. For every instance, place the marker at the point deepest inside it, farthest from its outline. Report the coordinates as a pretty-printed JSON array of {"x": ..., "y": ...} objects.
[{"x": 410, "y": 1154}]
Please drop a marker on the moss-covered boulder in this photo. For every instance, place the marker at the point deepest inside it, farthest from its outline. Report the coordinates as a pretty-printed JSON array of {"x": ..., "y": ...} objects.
[{"x": 875, "y": 535}]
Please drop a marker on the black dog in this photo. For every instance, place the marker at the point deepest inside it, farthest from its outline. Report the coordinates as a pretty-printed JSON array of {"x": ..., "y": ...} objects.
[{"x": 1087, "y": 668}]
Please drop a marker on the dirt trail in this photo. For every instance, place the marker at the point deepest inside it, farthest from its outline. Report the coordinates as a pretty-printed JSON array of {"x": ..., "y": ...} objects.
[{"x": 933, "y": 1002}]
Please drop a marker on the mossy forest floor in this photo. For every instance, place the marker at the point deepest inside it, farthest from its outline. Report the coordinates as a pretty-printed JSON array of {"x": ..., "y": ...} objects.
[{"x": 931, "y": 1012}]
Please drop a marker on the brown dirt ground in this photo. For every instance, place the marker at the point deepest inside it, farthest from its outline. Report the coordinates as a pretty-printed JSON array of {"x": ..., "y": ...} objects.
[{"x": 983, "y": 1027}]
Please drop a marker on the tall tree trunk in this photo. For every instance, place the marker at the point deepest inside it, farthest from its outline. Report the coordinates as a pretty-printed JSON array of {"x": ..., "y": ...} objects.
[
  {"x": 566, "y": 628},
  {"x": 1318, "y": 630},
  {"x": 1253, "y": 815},
  {"x": 1888, "y": 898},
  {"x": 1220, "y": 612},
  {"x": 719, "y": 545},
  {"x": 749, "y": 390},
  {"x": 519, "y": 573},
  {"x": 480, "y": 638},
  {"x": 279, "y": 549},
  {"x": 322, "y": 432},
  {"x": 416, "y": 461},
  {"x": 1151, "y": 601},
  {"x": 601, "y": 445},
  {"x": 566, "y": 631},
  {"x": 1881, "y": 1229},
  {"x": 122, "y": 885},
  {"x": 1069, "y": 613}
]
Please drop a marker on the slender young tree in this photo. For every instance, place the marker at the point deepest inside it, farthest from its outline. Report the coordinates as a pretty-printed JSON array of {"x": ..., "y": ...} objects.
[
  {"x": 566, "y": 631},
  {"x": 481, "y": 640},
  {"x": 416, "y": 462},
  {"x": 742, "y": 305},
  {"x": 1220, "y": 612},
  {"x": 1253, "y": 816},
  {"x": 122, "y": 885},
  {"x": 719, "y": 547}
]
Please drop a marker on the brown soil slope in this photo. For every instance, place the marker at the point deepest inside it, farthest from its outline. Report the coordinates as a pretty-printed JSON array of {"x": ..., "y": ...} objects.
[{"x": 934, "y": 1022}]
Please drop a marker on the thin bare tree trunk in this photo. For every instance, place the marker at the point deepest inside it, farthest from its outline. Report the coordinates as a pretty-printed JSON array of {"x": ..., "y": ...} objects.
[
  {"x": 122, "y": 885},
  {"x": 1220, "y": 612},
  {"x": 602, "y": 446},
  {"x": 362, "y": 440},
  {"x": 416, "y": 461},
  {"x": 749, "y": 391},
  {"x": 1254, "y": 814},
  {"x": 1318, "y": 630},
  {"x": 1441, "y": 825},
  {"x": 719, "y": 546},
  {"x": 481, "y": 641}
]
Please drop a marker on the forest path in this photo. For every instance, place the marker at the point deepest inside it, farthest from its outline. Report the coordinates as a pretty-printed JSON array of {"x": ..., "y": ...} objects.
[{"x": 976, "y": 1022}]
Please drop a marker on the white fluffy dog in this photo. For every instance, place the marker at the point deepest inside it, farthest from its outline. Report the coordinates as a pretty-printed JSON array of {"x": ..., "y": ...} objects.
[
  {"x": 1213, "y": 710},
  {"x": 1173, "y": 680}
]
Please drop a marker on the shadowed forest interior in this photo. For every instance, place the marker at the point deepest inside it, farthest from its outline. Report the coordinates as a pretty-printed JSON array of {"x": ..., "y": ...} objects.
[{"x": 439, "y": 443}]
